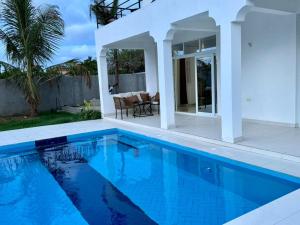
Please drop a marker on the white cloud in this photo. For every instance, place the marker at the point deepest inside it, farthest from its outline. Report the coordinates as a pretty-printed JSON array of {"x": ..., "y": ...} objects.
[
  {"x": 80, "y": 34},
  {"x": 74, "y": 51}
]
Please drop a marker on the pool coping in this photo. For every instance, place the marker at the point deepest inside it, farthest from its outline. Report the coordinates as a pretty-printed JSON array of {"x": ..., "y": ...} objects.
[{"x": 276, "y": 212}]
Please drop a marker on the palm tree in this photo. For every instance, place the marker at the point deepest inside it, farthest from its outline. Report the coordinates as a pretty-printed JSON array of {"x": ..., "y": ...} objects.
[
  {"x": 105, "y": 15},
  {"x": 31, "y": 36}
]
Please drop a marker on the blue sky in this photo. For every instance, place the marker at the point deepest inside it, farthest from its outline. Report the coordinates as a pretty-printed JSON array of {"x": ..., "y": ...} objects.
[{"x": 79, "y": 30}]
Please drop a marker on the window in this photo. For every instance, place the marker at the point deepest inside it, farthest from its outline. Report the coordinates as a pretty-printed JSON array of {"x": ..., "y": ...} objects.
[
  {"x": 208, "y": 43},
  {"x": 195, "y": 46},
  {"x": 191, "y": 47},
  {"x": 177, "y": 50}
]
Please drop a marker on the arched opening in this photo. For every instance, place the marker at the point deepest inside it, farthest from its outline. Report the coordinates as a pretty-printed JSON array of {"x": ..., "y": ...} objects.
[
  {"x": 269, "y": 63},
  {"x": 270, "y": 81},
  {"x": 195, "y": 64}
]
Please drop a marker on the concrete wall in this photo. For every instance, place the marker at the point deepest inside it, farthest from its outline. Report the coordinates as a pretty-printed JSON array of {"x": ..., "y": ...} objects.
[
  {"x": 269, "y": 67},
  {"x": 68, "y": 90},
  {"x": 129, "y": 82}
]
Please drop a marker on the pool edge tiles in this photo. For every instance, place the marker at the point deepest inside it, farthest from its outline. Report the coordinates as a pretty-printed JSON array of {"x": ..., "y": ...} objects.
[
  {"x": 214, "y": 156},
  {"x": 31, "y": 145},
  {"x": 180, "y": 149},
  {"x": 276, "y": 212},
  {"x": 18, "y": 148},
  {"x": 80, "y": 136}
]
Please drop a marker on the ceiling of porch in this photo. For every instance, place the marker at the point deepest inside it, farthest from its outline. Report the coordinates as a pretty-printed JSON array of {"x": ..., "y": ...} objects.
[
  {"x": 140, "y": 41},
  {"x": 292, "y": 6},
  {"x": 195, "y": 27}
]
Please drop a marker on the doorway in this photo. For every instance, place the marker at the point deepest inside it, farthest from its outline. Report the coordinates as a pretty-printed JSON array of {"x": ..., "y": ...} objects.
[
  {"x": 196, "y": 84},
  {"x": 185, "y": 85}
]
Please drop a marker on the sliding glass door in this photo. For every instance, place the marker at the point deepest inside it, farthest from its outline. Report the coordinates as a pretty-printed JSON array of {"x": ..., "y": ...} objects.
[
  {"x": 185, "y": 88},
  {"x": 206, "y": 85},
  {"x": 196, "y": 84}
]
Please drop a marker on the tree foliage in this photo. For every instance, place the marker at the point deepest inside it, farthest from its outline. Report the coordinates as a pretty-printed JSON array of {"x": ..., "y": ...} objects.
[
  {"x": 119, "y": 61},
  {"x": 31, "y": 36},
  {"x": 75, "y": 67},
  {"x": 103, "y": 14},
  {"x": 130, "y": 61}
]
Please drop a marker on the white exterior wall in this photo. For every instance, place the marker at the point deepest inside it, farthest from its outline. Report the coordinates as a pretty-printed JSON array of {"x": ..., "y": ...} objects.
[
  {"x": 150, "y": 55},
  {"x": 157, "y": 18},
  {"x": 298, "y": 72},
  {"x": 161, "y": 29},
  {"x": 257, "y": 71},
  {"x": 269, "y": 68}
]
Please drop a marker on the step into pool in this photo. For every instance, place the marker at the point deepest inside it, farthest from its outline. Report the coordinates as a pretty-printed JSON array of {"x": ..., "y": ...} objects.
[{"x": 116, "y": 177}]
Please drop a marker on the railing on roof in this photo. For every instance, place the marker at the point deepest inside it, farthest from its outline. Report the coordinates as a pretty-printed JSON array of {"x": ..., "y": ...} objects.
[{"x": 124, "y": 8}]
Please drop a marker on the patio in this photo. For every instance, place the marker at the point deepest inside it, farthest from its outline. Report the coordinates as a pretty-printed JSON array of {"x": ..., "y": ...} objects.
[{"x": 273, "y": 138}]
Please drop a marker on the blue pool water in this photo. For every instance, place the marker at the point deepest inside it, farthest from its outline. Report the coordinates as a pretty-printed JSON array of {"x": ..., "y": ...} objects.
[{"x": 118, "y": 178}]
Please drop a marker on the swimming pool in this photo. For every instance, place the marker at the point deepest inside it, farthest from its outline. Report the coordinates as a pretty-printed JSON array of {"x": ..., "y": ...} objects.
[{"x": 119, "y": 177}]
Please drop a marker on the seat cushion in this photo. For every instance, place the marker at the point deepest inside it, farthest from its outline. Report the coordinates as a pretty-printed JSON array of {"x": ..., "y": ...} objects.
[
  {"x": 138, "y": 94},
  {"x": 131, "y": 100},
  {"x": 145, "y": 97}
]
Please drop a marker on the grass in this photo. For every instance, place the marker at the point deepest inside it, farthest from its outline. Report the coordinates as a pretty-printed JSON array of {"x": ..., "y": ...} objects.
[{"x": 47, "y": 118}]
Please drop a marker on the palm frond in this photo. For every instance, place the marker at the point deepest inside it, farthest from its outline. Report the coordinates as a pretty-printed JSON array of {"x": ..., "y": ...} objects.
[
  {"x": 16, "y": 17},
  {"x": 103, "y": 14},
  {"x": 73, "y": 67},
  {"x": 7, "y": 70},
  {"x": 31, "y": 36},
  {"x": 46, "y": 33}
]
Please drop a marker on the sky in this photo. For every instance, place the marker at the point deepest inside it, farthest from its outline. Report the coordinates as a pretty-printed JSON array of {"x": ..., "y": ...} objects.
[{"x": 79, "y": 30}]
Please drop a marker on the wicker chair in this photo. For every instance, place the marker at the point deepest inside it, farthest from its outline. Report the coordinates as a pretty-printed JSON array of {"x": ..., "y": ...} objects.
[
  {"x": 125, "y": 103},
  {"x": 119, "y": 105},
  {"x": 155, "y": 100},
  {"x": 145, "y": 97},
  {"x": 130, "y": 103}
]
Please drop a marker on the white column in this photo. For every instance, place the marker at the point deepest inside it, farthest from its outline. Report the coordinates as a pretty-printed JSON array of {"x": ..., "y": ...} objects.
[
  {"x": 298, "y": 71},
  {"x": 231, "y": 82},
  {"x": 106, "y": 100},
  {"x": 151, "y": 69},
  {"x": 218, "y": 56},
  {"x": 166, "y": 83}
]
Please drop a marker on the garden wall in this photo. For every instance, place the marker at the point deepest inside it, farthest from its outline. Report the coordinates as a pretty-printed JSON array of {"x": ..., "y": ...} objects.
[
  {"x": 129, "y": 82},
  {"x": 70, "y": 91}
]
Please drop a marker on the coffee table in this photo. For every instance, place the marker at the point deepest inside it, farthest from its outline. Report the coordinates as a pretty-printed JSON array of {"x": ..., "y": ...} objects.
[{"x": 142, "y": 109}]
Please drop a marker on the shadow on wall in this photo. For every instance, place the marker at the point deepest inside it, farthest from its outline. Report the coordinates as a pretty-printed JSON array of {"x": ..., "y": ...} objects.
[
  {"x": 127, "y": 83},
  {"x": 68, "y": 91}
]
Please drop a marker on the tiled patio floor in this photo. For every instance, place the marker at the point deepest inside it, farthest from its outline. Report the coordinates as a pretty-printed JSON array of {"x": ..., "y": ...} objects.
[{"x": 275, "y": 138}]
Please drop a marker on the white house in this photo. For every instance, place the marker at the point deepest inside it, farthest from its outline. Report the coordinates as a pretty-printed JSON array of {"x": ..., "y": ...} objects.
[{"x": 233, "y": 59}]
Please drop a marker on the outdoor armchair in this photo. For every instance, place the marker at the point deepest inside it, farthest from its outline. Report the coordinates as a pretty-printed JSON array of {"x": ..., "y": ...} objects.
[
  {"x": 119, "y": 105},
  {"x": 155, "y": 100}
]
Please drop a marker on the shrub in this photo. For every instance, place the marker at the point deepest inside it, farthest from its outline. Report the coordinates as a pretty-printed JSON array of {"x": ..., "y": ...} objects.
[
  {"x": 90, "y": 115},
  {"x": 87, "y": 113}
]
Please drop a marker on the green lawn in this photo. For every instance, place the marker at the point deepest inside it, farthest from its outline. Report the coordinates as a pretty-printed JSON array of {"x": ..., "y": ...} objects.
[{"x": 48, "y": 118}]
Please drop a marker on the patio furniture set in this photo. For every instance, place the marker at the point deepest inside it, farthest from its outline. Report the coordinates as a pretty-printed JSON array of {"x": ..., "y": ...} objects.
[{"x": 141, "y": 104}]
